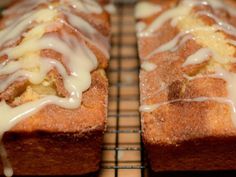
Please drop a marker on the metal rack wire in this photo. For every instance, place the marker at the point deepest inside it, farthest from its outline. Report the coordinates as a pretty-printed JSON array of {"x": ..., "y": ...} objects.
[{"x": 123, "y": 150}]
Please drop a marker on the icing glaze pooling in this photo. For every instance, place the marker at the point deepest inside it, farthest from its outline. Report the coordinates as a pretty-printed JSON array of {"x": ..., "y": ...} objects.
[
  {"x": 146, "y": 9},
  {"x": 148, "y": 66},
  {"x": 216, "y": 46},
  {"x": 6, "y": 163},
  {"x": 200, "y": 56},
  {"x": 110, "y": 8},
  {"x": 25, "y": 62}
]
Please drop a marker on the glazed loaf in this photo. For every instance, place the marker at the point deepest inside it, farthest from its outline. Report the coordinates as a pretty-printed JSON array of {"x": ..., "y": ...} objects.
[
  {"x": 53, "y": 86},
  {"x": 187, "y": 83}
]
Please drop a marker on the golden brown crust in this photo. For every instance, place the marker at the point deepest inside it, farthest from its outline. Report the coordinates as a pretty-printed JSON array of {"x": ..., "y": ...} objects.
[{"x": 182, "y": 135}]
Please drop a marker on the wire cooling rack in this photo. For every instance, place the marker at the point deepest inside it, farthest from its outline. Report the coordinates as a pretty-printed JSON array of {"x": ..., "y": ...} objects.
[
  {"x": 123, "y": 150},
  {"x": 123, "y": 153}
]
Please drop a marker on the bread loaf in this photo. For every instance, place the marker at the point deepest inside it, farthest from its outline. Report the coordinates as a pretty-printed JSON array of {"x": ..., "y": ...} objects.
[
  {"x": 187, "y": 82},
  {"x": 53, "y": 87}
]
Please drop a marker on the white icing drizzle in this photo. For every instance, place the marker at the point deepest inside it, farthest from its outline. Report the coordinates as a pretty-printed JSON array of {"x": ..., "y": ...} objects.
[
  {"x": 152, "y": 107},
  {"x": 79, "y": 59},
  {"x": 140, "y": 26},
  {"x": 146, "y": 9},
  {"x": 6, "y": 163},
  {"x": 170, "y": 44},
  {"x": 148, "y": 66},
  {"x": 163, "y": 86},
  {"x": 219, "y": 4},
  {"x": 183, "y": 37},
  {"x": 184, "y": 8},
  {"x": 21, "y": 24},
  {"x": 171, "y": 14},
  {"x": 216, "y": 4},
  {"x": 198, "y": 57},
  {"x": 221, "y": 25},
  {"x": 178, "y": 13},
  {"x": 92, "y": 35},
  {"x": 198, "y": 76},
  {"x": 110, "y": 8},
  {"x": 203, "y": 54},
  {"x": 86, "y": 6},
  {"x": 174, "y": 43},
  {"x": 24, "y": 6},
  {"x": 182, "y": 42},
  {"x": 230, "y": 79},
  {"x": 167, "y": 46},
  {"x": 174, "y": 13}
]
